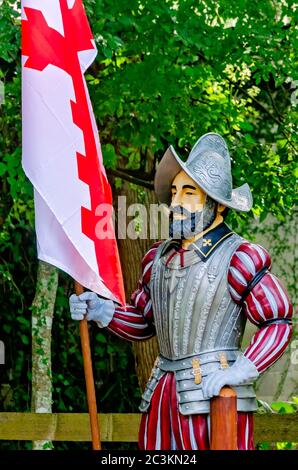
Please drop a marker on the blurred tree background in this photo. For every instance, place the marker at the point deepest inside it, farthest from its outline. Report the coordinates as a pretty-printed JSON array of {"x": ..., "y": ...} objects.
[{"x": 166, "y": 72}]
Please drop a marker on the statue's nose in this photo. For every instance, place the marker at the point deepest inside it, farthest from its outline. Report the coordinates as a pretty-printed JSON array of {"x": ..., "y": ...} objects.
[{"x": 176, "y": 200}]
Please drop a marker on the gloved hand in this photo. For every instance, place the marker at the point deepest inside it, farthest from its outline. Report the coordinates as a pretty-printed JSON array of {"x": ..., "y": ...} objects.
[
  {"x": 242, "y": 371},
  {"x": 90, "y": 304}
]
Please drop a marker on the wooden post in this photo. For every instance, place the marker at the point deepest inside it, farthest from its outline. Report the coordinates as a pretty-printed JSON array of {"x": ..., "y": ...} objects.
[
  {"x": 224, "y": 420},
  {"x": 90, "y": 388}
]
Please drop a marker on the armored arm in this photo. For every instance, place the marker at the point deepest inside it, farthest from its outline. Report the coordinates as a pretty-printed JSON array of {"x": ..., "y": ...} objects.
[
  {"x": 265, "y": 302},
  {"x": 134, "y": 322}
]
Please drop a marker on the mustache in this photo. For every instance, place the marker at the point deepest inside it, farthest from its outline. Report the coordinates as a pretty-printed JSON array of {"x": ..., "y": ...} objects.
[{"x": 181, "y": 211}]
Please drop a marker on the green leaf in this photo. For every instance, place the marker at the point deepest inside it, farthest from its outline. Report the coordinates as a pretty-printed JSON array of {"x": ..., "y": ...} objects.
[
  {"x": 100, "y": 337},
  {"x": 284, "y": 407},
  {"x": 3, "y": 169},
  {"x": 109, "y": 156},
  {"x": 25, "y": 339}
]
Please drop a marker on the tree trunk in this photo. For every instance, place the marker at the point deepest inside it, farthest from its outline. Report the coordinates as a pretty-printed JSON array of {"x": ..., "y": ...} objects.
[
  {"x": 131, "y": 254},
  {"x": 42, "y": 318}
]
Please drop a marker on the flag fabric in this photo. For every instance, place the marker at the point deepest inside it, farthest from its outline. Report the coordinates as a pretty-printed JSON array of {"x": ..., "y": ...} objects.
[{"x": 61, "y": 149}]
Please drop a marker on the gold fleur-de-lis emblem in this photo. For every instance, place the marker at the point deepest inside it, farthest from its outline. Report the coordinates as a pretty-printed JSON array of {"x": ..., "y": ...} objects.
[{"x": 207, "y": 242}]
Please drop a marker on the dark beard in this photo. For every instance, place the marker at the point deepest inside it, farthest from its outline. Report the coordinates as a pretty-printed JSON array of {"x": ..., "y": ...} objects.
[{"x": 195, "y": 222}]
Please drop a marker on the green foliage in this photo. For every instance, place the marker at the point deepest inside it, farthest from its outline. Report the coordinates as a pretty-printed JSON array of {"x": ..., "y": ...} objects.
[
  {"x": 284, "y": 407},
  {"x": 166, "y": 72},
  {"x": 169, "y": 71}
]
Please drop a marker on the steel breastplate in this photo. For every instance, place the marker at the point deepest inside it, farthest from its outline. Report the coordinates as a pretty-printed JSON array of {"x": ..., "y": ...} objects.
[
  {"x": 193, "y": 309},
  {"x": 194, "y": 317}
]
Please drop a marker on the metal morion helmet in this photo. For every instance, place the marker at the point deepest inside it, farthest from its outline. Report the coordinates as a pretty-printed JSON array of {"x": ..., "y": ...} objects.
[{"x": 209, "y": 165}]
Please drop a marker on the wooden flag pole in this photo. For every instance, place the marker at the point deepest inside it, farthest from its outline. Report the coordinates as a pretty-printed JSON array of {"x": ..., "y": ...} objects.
[
  {"x": 224, "y": 420},
  {"x": 90, "y": 388}
]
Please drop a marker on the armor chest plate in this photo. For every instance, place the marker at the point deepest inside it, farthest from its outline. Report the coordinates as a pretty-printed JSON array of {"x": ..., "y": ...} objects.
[{"x": 193, "y": 310}]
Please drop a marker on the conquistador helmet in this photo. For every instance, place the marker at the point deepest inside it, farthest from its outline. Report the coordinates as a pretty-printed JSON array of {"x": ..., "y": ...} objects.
[{"x": 209, "y": 165}]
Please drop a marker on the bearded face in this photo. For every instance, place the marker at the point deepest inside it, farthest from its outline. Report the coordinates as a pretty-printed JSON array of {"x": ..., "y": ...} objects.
[
  {"x": 191, "y": 210},
  {"x": 189, "y": 224}
]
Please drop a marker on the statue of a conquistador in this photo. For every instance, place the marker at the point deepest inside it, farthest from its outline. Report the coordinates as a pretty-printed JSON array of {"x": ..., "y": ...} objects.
[{"x": 197, "y": 290}]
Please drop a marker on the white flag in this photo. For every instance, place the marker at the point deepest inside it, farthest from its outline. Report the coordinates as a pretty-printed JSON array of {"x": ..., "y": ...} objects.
[{"x": 61, "y": 149}]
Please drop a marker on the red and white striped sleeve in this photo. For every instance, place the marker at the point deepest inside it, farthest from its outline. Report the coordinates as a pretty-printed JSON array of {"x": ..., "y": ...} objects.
[
  {"x": 134, "y": 322},
  {"x": 265, "y": 302}
]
